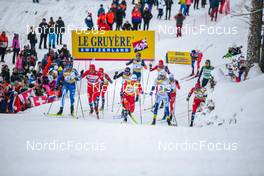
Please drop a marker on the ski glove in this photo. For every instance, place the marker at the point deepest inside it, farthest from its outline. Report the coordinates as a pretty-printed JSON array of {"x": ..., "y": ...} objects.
[
  {"x": 82, "y": 72},
  {"x": 188, "y": 98},
  {"x": 151, "y": 93}
]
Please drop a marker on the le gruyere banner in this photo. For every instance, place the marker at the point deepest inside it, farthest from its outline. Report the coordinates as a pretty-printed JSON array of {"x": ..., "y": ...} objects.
[
  {"x": 113, "y": 45},
  {"x": 174, "y": 57}
]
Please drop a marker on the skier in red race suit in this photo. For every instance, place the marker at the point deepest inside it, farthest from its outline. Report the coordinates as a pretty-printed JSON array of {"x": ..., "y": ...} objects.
[
  {"x": 174, "y": 86},
  {"x": 93, "y": 88},
  {"x": 130, "y": 90},
  {"x": 160, "y": 67},
  {"x": 104, "y": 82},
  {"x": 199, "y": 97}
]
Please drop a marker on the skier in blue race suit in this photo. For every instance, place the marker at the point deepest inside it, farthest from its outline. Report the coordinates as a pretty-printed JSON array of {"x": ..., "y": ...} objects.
[{"x": 67, "y": 78}]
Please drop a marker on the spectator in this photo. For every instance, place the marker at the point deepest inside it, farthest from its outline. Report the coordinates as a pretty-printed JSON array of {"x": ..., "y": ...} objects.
[
  {"x": 147, "y": 16},
  {"x": 43, "y": 30},
  {"x": 35, "y": 1},
  {"x": 179, "y": 22},
  {"x": 188, "y": 5},
  {"x": 101, "y": 10},
  {"x": 136, "y": 18},
  {"x": 89, "y": 21},
  {"x": 168, "y": 4},
  {"x": 196, "y": 4},
  {"x": 52, "y": 35},
  {"x": 183, "y": 7},
  {"x": 119, "y": 17},
  {"x": 110, "y": 18},
  {"x": 161, "y": 4},
  {"x": 60, "y": 29},
  {"x": 32, "y": 38},
  {"x": 3, "y": 45},
  {"x": 214, "y": 5},
  {"x": 15, "y": 47},
  {"x": 127, "y": 26}
]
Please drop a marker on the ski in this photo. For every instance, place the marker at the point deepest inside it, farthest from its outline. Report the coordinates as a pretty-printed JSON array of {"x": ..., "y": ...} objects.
[
  {"x": 62, "y": 116},
  {"x": 193, "y": 77},
  {"x": 133, "y": 118},
  {"x": 186, "y": 77}
]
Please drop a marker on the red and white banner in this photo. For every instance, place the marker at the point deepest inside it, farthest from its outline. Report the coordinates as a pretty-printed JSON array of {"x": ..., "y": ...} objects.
[
  {"x": 26, "y": 94},
  {"x": 40, "y": 100},
  {"x": 140, "y": 45}
]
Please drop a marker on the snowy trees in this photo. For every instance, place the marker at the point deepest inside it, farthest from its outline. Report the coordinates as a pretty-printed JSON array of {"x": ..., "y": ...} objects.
[{"x": 254, "y": 38}]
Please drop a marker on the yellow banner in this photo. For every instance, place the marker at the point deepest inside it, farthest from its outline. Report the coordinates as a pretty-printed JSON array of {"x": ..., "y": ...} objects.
[
  {"x": 113, "y": 45},
  {"x": 174, "y": 57}
]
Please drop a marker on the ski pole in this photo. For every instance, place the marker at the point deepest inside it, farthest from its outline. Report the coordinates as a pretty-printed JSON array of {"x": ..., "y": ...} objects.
[
  {"x": 49, "y": 108},
  {"x": 140, "y": 109},
  {"x": 78, "y": 91},
  {"x": 114, "y": 97},
  {"x": 144, "y": 96},
  {"x": 188, "y": 113},
  {"x": 107, "y": 104}
]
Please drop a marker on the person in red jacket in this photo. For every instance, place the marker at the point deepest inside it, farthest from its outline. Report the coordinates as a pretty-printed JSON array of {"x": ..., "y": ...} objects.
[
  {"x": 199, "y": 97},
  {"x": 130, "y": 90},
  {"x": 101, "y": 21},
  {"x": 136, "y": 18},
  {"x": 160, "y": 67},
  {"x": 3, "y": 45},
  {"x": 110, "y": 18},
  {"x": 104, "y": 82},
  {"x": 93, "y": 88},
  {"x": 174, "y": 86}
]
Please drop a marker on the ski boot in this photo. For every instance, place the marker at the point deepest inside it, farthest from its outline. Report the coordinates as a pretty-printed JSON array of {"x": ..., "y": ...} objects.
[
  {"x": 72, "y": 110},
  {"x": 192, "y": 119},
  {"x": 154, "y": 120},
  {"x": 102, "y": 106},
  {"x": 168, "y": 120},
  {"x": 162, "y": 105},
  {"x": 91, "y": 111},
  {"x": 60, "y": 111}
]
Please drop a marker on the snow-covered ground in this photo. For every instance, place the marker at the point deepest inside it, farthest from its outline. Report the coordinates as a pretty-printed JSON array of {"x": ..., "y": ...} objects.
[{"x": 127, "y": 149}]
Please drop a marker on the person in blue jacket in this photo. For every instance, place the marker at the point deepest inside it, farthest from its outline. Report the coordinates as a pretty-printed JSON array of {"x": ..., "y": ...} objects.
[
  {"x": 67, "y": 78},
  {"x": 89, "y": 21}
]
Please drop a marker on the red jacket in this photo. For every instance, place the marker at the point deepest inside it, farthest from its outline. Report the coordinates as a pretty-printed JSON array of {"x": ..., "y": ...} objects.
[
  {"x": 110, "y": 17},
  {"x": 3, "y": 41}
]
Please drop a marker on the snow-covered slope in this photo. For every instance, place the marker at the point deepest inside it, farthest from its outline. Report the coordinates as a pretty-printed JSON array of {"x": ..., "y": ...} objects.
[{"x": 119, "y": 149}]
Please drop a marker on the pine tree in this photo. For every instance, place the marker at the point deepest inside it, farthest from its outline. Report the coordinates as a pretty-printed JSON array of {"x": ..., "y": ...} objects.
[{"x": 254, "y": 38}]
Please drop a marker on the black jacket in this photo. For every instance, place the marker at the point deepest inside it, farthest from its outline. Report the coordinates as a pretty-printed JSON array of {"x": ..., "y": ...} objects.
[{"x": 146, "y": 15}]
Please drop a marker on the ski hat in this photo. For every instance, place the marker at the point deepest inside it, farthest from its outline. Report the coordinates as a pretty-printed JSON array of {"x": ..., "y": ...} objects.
[
  {"x": 92, "y": 67},
  {"x": 162, "y": 76},
  {"x": 101, "y": 70},
  {"x": 138, "y": 55},
  {"x": 134, "y": 77},
  {"x": 161, "y": 63},
  {"x": 171, "y": 77},
  {"x": 198, "y": 85},
  {"x": 208, "y": 61},
  {"x": 127, "y": 69}
]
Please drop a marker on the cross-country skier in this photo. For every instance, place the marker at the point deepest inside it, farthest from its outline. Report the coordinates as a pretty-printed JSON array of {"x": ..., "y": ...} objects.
[
  {"x": 199, "y": 97},
  {"x": 137, "y": 65},
  {"x": 126, "y": 74},
  {"x": 174, "y": 86},
  {"x": 233, "y": 51},
  {"x": 206, "y": 72},
  {"x": 194, "y": 56},
  {"x": 93, "y": 88},
  {"x": 67, "y": 78},
  {"x": 130, "y": 90},
  {"x": 160, "y": 67},
  {"x": 163, "y": 89},
  {"x": 104, "y": 82}
]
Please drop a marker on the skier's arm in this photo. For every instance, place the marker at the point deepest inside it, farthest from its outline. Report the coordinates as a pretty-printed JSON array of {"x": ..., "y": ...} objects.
[
  {"x": 85, "y": 74},
  {"x": 200, "y": 75},
  {"x": 130, "y": 62},
  {"x": 177, "y": 85},
  {"x": 154, "y": 68},
  {"x": 144, "y": 64},
  {"x": 108, "y": 78},
  {"x": 167, "y": 69},
  {"x": 59, "y": 79},
  {"x": 190, "y": 94},
  {"x": 118, "y": 75}
]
